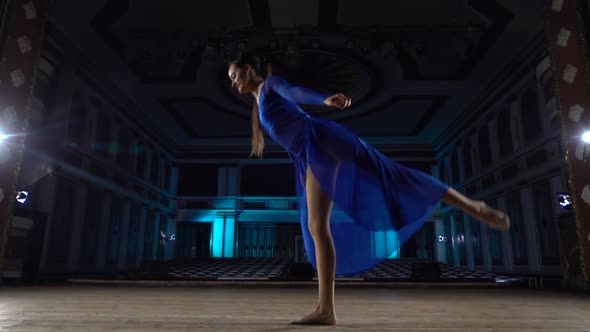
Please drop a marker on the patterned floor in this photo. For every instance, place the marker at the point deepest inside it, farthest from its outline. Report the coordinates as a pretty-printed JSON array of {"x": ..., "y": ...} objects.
[
  {"x": 278, "y": 269},
  {"x": 228, "y": 269}
]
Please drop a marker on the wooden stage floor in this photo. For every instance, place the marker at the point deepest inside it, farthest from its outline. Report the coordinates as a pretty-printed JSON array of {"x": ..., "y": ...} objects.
[{"x": 254, "y": 308}]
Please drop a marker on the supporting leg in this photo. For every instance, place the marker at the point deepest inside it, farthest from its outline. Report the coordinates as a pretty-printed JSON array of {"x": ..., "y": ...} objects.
[{"x": 319, "y": 208}]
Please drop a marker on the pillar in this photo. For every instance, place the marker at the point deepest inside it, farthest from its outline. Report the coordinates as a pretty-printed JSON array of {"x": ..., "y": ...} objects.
[
  {"x": 469, "y": 242},
  {"x": 439, "y": 228},
  {"x": 441, "y": 246},
  {"x": 141, "y": 235},
  {"x": 103, "y": 231},
  {"x": 228, "y": 181},
  {"x": 21, "y": 52},
  {"x": 532, "y": 234},
  {"x": 124, "y": 237},
  {"x": 223, "y": 234},
  {"x": 569, "y": 60},
  {"x": 79, "y": 211}
]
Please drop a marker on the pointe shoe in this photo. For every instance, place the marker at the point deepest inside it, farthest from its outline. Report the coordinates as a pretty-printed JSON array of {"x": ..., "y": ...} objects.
[{"x": 495, "y": 219}]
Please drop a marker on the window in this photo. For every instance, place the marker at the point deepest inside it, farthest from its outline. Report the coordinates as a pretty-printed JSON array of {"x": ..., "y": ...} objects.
[
  {"x": 133, "y": 234},
  {"x": 92, "y": 220},
  {"x": 149, "y": 239},
  {"x": 197, "y": 180},
  {"x": 467, "y": 162},
  {"x": 114, "y": 229},
  {"x": 529, "y": 108},
  {"x": 60, "y": 230},
  {"x": 442, "y": 169},
  {"x": 140, "y": 160},
  {"x": 77, "y": 126},
  {"x": 476, "y": 242},
  {"x": 455, "y": 179},
  {"x": 155, "y": 167},
  {"x": 103, "y": 134},
  {"x": 545, "y": 218},
  {"x": 268, "y": 180},
  {"x": 485, "y": 152},
  {"x": 505, "y": 143},
  {"x": 122, "y": 150}
]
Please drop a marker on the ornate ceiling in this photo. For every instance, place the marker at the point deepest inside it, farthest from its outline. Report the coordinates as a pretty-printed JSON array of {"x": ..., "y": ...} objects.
[{"x": 412, "y": 67}]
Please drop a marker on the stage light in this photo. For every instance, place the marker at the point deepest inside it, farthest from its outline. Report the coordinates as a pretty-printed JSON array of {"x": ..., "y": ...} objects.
[
  {"x": 3, "y": 137},
  {"x": 22, "y": 196},
  {"x": 564, "y": 200},
  {"x": 586, "y": 136}
]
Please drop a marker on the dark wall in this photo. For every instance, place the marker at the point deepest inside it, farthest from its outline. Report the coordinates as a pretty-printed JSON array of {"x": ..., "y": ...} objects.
[
  {"x": 197, "y": 180},
  {"x": 268, "y": 180}
]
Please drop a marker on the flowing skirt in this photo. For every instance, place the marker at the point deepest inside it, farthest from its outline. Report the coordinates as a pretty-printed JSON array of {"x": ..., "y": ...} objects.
[{"x": 378, "y": 203}]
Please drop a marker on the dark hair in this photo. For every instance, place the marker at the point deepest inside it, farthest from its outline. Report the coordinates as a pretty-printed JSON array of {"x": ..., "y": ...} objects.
[{"x": 261, "y": 67}]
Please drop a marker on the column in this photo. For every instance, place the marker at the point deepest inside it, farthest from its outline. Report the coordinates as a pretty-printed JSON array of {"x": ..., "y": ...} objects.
[
  {"x": 224, "y": 227},
  {"x": 486, "y": 249},
  {"x": 453, "y": 239},
  {"x": 79, "y": 211},
  {"x": 173, "y": 181},
  {"x": 475, "y": 166},
  {"x": 441, "y": 247},
  {"x": 156, "y": 239},
  {"x": 469, "y": 242},
  {"x": 494, "y": 146},
  {"x": 171, "y": 245},
  {"x": 228, "y": 181},
  {"x": 532, "y": 234},
  {"x": 516, "y": 125},
  {"x": 113, "y": 145},
  {"x": 47, "y": 189},
  {"x": 141, "y": 235},
  {"x": 541, "y": 100},
  {"x": 460, "y": 164},
  {"x": 147, "y": 170},
  {"x": 439, "y": 229},
  {"x": 223, "y": 234},
  {"x": 122, "y": 259},
  {"x": 133, "y": 152},
  {"x": 507, "y": 251},
  {"x": 103, "y": 231},
  {"x": 21, "y": 49},
  {"x": 568, "y": 52}
]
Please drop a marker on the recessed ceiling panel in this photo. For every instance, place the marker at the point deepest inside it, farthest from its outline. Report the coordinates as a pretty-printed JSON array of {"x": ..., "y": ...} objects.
[{"x": 185, "y": 14}]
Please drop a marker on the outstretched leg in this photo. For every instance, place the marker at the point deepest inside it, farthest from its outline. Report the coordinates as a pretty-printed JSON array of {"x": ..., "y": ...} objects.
[
  {"x": 478, "y": 210},
  {"x": 319, "y": 207}
]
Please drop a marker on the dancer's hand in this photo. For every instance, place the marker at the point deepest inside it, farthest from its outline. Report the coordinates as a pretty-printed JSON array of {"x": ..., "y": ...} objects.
[{"x": 338, "y": 100}]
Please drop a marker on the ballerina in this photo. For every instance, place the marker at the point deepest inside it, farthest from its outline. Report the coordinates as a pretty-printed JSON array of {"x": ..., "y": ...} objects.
[{"x": 335, "y": 167}]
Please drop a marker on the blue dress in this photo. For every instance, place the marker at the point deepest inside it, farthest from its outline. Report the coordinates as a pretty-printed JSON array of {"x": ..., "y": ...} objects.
[{"x": 378, "y": 203}]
